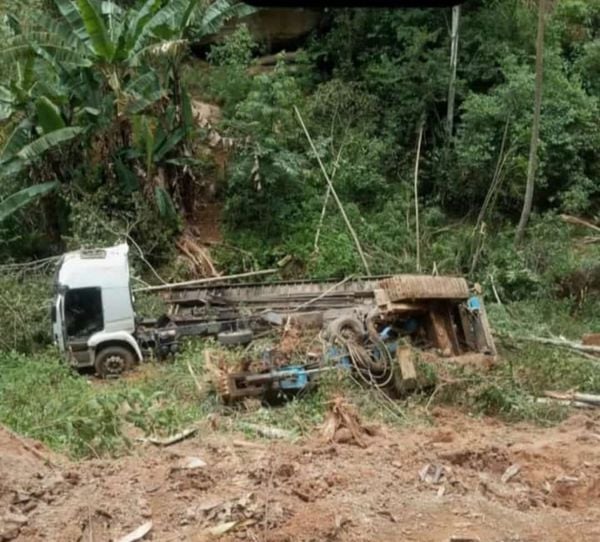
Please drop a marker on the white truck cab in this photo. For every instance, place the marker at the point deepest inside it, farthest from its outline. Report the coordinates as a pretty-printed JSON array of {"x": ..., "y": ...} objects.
[{"x": 93, "y": 318}]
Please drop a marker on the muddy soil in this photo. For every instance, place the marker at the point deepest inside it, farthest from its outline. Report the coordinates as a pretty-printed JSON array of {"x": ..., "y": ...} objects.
[{"x": 471, "y": 479}]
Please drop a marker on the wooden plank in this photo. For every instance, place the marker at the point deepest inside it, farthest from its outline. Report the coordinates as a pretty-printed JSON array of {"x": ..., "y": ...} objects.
[
  {"x": 405, "y": 375},
  {"x": 467, "y": 328},
  {"x": 406, "y": 307},
  {"x": 438, "y": 331},
  {"x": 381, "y": 298},
  {"x": 405, "y": 356},
  {"x": 486, "y": 330},
  {"x": 451, "y": 329},
  {"x": 407, "y": 287},
  {"x": 591, "y": 339}
]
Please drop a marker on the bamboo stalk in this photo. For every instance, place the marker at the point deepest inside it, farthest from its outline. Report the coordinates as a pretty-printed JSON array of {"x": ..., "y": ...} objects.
[
  {"x": 453, "y": 67},
  {"x": 205, "y": 281},
  {"x": 416, "y": 190},
  {"x": 327, "y": 195},
  {"x": 334, "y": 193}
]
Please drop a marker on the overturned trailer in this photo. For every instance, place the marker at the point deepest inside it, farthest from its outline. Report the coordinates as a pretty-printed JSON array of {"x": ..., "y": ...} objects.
[
  {"x": 95, "y": 325},
  {"x": 376, "y": 328},
  {"x": 442, "y": 312}
]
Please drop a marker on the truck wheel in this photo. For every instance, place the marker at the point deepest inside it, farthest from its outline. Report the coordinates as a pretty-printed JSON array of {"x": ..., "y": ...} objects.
[
  {"x": 113, "y": 361},
  {"x": 345, "y": 328},
  {"x": 230, "y": 338}
]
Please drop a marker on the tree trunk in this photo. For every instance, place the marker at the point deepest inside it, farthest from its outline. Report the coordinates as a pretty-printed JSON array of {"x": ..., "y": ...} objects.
[
  {"x": 535, "y": 128},
  {"x": 453, "y": 66}
]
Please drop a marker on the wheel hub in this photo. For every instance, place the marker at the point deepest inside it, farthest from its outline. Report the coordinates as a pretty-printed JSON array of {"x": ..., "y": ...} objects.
[{"x": 114, "y": 365}]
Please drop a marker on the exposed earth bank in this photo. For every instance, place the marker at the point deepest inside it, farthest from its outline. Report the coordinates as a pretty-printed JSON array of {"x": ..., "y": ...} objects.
[{"x": 478, "y": 479}]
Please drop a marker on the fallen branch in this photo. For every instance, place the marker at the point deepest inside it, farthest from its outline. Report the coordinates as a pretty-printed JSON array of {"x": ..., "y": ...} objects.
[
  {"x": 173, "y": 439},
  {"x": 564, "y": 402},
  {"x": 579, "y": 222},
  {"x": 197, "y": 255},
  {"x": 586, "y": 351},
  {"x": 268, "y": 432},
  {"x": 206, "y": 281},
  {"x": 31, "y": 264},
  {"x": 565, "y": 344},
  {"x": 138, "y": 534},
  {"x": 577, "y": 397}
]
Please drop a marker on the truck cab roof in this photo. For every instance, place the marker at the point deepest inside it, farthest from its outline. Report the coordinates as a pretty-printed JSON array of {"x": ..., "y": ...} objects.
[{"x": 89, "y": 268}]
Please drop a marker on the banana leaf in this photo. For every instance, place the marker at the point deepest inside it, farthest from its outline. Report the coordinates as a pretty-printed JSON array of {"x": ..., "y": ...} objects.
[{"x": 19, "y": 199}]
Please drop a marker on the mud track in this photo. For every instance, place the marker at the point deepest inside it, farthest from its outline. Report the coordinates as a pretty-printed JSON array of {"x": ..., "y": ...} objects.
[{"x": 314, "y": 491}]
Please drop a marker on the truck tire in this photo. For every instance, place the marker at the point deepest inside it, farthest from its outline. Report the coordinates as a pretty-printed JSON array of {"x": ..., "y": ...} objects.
[
  {"x": 231, "y": 338},
  {"x": 345, "y": 327},
  {"x": 113, "y": 361}
]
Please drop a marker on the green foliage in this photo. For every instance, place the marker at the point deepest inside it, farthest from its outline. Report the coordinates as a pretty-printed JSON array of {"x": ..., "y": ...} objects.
[
  {"x": 236, "y": 50},
  {"x": 73, "y": 415},
  {"x": 19, "y": 199},
  {"x": 63, "y": 412},
  {"x": 24, "y": 310},
  {"x": 80, "y": 75},
  {"x": 570, "y": 139}
]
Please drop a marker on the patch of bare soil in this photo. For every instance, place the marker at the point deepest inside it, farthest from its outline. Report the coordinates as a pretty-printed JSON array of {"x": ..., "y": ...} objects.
[{"x": 461, "y": 477}]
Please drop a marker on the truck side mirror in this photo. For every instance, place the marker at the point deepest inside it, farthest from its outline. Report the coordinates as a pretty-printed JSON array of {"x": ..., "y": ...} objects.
[{"x": 53, "y": 313}]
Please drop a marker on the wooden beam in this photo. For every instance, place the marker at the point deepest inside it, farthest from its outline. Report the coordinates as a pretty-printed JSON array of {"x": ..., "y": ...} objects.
[
  {"x": 405, "y": 375},
  {"x": 438, "y": 330}
]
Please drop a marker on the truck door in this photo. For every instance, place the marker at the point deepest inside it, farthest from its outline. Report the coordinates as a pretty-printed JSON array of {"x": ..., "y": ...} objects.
[{"x": 83, "y": 317}]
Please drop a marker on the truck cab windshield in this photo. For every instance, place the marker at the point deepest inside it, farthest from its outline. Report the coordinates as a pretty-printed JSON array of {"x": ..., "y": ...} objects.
[{"x": 83, "y": 312}]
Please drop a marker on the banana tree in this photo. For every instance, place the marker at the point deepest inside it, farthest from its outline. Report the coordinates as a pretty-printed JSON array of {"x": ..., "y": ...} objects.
[
  {"x": 14, "y": 202},
  {"x": 120, "y": 63}
]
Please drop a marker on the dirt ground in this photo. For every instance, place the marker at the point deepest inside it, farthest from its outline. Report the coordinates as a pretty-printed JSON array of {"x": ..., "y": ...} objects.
[{"x": 313, "y": 490}]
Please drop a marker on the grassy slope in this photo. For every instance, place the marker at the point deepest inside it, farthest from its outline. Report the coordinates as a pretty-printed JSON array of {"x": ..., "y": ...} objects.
[{"x": 42, "y": 398}]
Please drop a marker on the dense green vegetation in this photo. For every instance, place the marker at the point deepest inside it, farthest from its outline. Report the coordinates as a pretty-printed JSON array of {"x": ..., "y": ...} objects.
[
  {"x": 99, "y": 142},
  {"x": 97, "y": 97}
]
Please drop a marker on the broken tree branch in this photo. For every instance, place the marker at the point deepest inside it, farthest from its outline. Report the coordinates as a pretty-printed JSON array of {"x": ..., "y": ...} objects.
[
  {"x": 580, "y": 397},
  {"x": 206, "y": 281},
  {"x": 159, "y": 441},
  {"x": 566, "y": 344},
  {"x": 565, "y": 402},
  {"x": 579, "y": 222},
  {"x": 138, "y": 533},
  {"x": 334, "y": 193},
  {"x": 583, "y": 350},
  {"x": 127, "y": 236}
]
